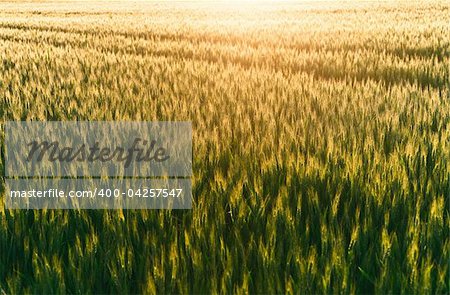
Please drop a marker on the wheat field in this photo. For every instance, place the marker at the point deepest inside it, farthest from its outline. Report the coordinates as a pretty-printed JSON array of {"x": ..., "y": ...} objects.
[{"x": 321, "y": 144}]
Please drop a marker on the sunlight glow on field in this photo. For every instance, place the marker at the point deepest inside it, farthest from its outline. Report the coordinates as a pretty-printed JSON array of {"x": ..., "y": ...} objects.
[{"x": 321, "y": 152}]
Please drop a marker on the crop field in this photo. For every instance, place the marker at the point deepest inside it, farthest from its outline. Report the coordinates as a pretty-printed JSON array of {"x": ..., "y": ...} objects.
[{"x": 321, "y": 144}]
